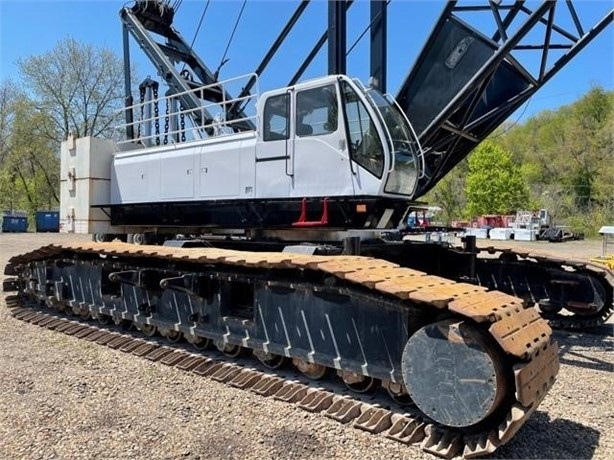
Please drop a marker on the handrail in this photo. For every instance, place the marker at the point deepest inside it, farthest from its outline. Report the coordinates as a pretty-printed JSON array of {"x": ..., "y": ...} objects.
[{"x": 174, "y": 118}]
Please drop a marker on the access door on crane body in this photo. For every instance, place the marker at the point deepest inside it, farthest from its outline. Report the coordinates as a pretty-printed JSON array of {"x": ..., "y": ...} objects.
[{"x": 303, "y": 150}]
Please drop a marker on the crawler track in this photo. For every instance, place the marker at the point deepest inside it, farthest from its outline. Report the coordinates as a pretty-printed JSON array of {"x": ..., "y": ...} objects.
[
  {"x": 530, "y": 357},
  {"x": 596, "y": 280}
]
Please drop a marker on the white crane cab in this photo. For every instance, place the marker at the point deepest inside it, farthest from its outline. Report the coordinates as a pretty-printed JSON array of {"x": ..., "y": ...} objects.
[
  {"x": 331, "y": 137},
  {"x": 327, "y": 152}
]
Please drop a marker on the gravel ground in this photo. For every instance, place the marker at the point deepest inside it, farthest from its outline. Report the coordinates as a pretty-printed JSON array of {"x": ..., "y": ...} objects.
[{"x": 66, "y": 398}]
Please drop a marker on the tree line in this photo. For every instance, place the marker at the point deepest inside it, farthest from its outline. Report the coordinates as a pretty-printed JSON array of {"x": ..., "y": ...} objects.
[
  {"x": 74, "y": 88},
  {"x": 560, "y": 160}
]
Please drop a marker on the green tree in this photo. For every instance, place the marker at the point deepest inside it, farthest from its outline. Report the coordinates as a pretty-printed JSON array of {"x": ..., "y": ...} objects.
[
  {"x": 494, "y": 182},
  {"x": 29, "y": 175},
  {"x": 9, "y": 94},
  {"x": 449, "y": 194},
  {"x": 74, "y": 87}
]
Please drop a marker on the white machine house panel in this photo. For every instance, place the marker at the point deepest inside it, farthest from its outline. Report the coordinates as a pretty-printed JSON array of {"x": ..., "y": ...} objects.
[
  {"x": 135, "y": 178},
  {"x": 365, "y": 183},
  {"x": 248, "y": 168},
  {"x": 177, "y": 174},
  {"x": 273, "y": 169},
  {"x": 220, "y": 170}
]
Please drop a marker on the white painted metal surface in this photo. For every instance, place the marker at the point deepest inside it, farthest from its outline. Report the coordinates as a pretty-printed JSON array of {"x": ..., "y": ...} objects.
[
  {"x": 301, "y": 149},
  {"x": 607, "y": 232},
  {"x": 525, "y": 234},
  {"x": 85, "y": 180},
  {"x": 500, "y": 233},
  {"x": 481, "y": 233},
  {"x": 311, "y": 159}
]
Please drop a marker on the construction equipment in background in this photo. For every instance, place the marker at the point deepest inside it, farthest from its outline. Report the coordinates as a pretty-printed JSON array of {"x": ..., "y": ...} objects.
[
  {"x": 607, "y": 257},
  {"x": 560, "y": 234}
]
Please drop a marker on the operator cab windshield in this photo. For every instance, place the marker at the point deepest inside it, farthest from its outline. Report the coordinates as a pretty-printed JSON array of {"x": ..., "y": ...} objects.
[
  {"x": 365, "y": 144},
  {"x": 403, "y": 179},
  {"x": 366, "y": 110}
]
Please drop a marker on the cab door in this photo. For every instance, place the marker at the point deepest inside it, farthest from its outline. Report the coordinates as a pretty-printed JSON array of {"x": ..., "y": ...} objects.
[
  {"x": 274, "y": 149},
  {"x": 319, "y": 155}
]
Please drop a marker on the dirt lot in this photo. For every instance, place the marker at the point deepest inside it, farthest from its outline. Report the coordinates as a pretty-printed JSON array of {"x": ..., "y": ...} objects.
[{"x": 66, "y": 398}]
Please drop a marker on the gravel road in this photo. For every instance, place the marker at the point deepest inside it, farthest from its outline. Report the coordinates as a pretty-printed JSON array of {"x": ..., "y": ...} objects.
[{"x": 66, "y": 398}]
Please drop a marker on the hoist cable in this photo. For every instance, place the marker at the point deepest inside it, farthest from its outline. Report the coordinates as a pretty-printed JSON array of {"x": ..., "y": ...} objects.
[
  {"x": 376, "y": 18},
  {"x": 223, "y": 60},
  {"x": 200, "y": 23}
]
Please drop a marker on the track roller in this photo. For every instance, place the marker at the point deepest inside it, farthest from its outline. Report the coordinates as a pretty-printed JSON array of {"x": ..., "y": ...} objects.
[
  {"x": 453, "y": 373},
  {"x": 311, "y": 370},
  {"x": 172, "y": 335},
  {"x": 397, "y": 392},
  {"x": 55, "y": 304},
  {"x": 270, "y": 360},
  {"x": 357, "y": 383},
  {"x": 148, "y": 329},
  {"x": 103, "y": 319},
  {"x": 548, "y": 308},
  {"x": 200, "y": 343},
  {"x": 230, "y": 350},
  {"x": 125, "y": 324}
]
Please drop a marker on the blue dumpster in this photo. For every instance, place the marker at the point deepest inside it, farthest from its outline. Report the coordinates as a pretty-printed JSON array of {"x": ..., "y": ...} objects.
[
  {"x": 14, "y": 221},
  {"x": 47, "y": 221}
]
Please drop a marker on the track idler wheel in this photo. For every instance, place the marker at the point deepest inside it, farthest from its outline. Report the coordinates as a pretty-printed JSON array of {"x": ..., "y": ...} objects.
[
  {"x": 269, "y": 360},
  {"x": 313, "y": 371},
  {"x": 454, "y": 373}
]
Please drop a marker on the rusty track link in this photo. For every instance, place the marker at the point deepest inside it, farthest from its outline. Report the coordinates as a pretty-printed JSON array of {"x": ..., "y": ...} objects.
[
  {"x": 521, "y": 334},
  {"x": 558, "y": 321}
]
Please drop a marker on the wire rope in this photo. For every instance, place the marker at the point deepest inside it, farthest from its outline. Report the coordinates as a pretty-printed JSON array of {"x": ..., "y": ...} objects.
[
  {"x": 365, "y": 31},
  {"x": 224, "y": 60},
  {"x": 200, "y": 23}
]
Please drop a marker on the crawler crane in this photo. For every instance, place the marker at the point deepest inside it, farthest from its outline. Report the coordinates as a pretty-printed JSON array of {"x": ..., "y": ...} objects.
[{"x": 271, "y": 222}]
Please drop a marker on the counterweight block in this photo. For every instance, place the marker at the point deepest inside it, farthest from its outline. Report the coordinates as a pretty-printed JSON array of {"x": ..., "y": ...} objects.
[{"x": 454, "y": 373}]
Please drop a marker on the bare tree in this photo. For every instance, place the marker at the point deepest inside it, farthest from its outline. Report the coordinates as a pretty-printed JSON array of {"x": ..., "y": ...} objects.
[
  {"x": 78, "y": 86},
  {"x": 9, "y": 94},
  {"x": 74, "y": 87}
]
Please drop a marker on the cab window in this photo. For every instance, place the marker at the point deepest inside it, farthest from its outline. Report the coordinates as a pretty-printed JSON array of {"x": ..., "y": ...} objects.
[
  {"x": 365, "y": 144},
  {"x": 276, "y": 118},
  {"x": 316, "y": 111}
]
